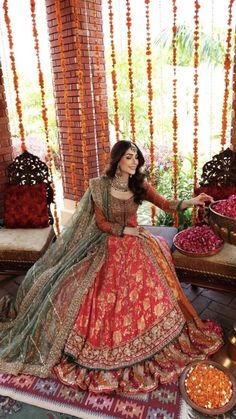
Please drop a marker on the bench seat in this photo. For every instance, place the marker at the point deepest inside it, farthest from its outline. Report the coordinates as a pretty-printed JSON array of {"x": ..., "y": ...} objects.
[
  {"x": 216, "y": 272},
  {"x": 20, "y": 248}
]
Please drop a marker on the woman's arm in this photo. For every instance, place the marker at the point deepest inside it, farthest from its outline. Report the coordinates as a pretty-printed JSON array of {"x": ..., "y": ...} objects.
[
  {"x": 159, "y": 201},
  {"x": 172, "y": 205},
  {"x": 107, "y": 226}
]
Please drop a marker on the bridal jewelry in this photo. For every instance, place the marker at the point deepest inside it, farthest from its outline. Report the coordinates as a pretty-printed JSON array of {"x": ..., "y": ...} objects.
[{"x": 120, "y": 185}]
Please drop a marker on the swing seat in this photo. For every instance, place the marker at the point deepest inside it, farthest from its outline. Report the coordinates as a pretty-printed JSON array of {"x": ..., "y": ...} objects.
[
  {"x": 167, "y": 233},
  {"x": 28, "y": 222}
]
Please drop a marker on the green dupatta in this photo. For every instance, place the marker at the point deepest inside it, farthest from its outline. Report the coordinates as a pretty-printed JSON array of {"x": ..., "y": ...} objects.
[{"x": 35, "y": 324}]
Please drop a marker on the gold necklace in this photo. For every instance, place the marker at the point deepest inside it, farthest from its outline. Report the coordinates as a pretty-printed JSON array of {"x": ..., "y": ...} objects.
[{"x": 119, "y": 185}]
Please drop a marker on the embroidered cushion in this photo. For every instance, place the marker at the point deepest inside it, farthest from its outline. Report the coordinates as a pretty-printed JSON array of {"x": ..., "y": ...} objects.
[{"x": 25, "y": 206}]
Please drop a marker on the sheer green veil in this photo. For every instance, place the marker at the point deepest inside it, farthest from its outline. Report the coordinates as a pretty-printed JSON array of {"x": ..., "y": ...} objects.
[{"x": 35, "y": 324}]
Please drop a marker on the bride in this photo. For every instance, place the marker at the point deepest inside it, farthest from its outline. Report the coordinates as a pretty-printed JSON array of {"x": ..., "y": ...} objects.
[{"x": 103, "y": 308}]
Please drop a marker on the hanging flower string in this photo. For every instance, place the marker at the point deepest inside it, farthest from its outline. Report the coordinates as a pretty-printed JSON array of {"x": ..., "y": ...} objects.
[
  {"x": 44, "y": 108},
  {"x": 174, "y": 102},
  {"x": 227, "y": 67},
  {"x": 150, "y": 98},
  {"x": 130, "y": 68},
  {"x": 66, "y": 101},
  {"x": 195, "y": 99},
  {"x": 15, "y": 76},
  {"x": 113, "y": 73},
  {"x": 80, "y": 75},
  {"x": 100, "y": 102}
]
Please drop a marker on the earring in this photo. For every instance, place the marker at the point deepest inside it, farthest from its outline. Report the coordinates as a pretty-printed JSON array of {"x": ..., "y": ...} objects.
[
  {"x": 130, "y": 176},
  {"x": 118, "y": 172}
]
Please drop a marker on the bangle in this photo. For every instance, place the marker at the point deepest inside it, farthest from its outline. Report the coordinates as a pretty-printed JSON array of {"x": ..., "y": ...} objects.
[{"x": 178, "y": 208}]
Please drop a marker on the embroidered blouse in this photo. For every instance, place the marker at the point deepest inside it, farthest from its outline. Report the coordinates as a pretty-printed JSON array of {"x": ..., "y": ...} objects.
[{"x": 123, "y": 212}]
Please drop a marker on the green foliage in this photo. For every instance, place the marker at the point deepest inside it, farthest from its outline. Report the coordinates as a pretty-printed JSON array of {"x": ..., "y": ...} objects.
[
  {"x": 164, "y": 186},
  {"x": 211, "y": 47},
  {"x": 31, "y": 108}
]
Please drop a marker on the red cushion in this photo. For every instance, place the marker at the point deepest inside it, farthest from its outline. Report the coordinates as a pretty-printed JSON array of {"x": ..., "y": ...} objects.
[
  {"x": 217, "y": 192},
  {"x": 25, "y": 206}
]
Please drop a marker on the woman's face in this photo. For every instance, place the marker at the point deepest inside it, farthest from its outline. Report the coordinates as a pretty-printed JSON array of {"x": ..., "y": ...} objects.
[{"x": 129, "y": 162}]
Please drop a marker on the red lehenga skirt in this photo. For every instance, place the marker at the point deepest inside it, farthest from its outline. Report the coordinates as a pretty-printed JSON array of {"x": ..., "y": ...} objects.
[{"x": 135, "y": 328}]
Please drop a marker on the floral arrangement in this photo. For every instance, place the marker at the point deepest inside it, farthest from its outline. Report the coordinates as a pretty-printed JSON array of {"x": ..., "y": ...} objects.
[
  {"x": 80, "y": 76},
  {"x": 195, "y": 98},
  {"x": 226, "y": 207},
  {"x": 227, "y": 67},
  {"x": 174, "y": 107},
  {"x": 150, "y": 98},
  {"x": 208, "y": 387},
  {"x": 99, "y": 97},
  {"x": 198, "y": 240},
  {"x": 18, "y": 102},
  {"x": 66, "y": 100},
  {"x": 130, "y": 67},
  {"x": 44, "y": 111},
  {"x": 113, "y": 73}
]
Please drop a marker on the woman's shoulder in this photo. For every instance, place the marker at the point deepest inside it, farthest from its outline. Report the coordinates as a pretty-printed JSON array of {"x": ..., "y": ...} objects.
[{"x": 98, "y": 181}]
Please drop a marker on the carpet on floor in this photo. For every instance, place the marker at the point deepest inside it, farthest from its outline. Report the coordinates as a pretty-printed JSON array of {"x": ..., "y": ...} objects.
[{"x": 52, "y": 396}]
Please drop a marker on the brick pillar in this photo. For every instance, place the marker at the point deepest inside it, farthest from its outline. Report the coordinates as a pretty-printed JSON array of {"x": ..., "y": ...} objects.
[
  {"x": 87, "y": 10},
  {"x": 233, "y": 124},
  {"x": 5, "y": 141}
]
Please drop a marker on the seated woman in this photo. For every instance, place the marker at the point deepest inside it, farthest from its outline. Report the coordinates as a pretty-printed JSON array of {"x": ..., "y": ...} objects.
[{"x": 103, "y": 308}]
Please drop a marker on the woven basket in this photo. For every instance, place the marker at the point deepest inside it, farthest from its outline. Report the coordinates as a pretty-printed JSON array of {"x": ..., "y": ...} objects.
[{"x": 224, "y": 226}]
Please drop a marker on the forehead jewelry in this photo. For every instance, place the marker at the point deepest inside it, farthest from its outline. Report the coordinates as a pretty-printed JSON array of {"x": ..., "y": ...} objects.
[{"x": 133, "y": 147}]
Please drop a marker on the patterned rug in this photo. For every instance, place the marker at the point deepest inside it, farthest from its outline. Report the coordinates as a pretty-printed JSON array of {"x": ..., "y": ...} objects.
[{"x": 31, "y": 393}]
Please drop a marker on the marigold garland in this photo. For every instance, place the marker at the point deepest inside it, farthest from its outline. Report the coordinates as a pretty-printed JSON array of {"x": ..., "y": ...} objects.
[
  {"x": 113, "y": 73},
  {"x": 15, "y": 76},
  {"x": 130, "y": 69},
  {"x": 150, "y": 98},
  {"x": 227, "y": 67},
  {"x": 100, "y": 102},
  {"x": 44, "y": 109},
  {"x": 195, "y": 98},
  {"x": 174, "y": 102},
  {"x": 66, "y": 101},
  {"x": 80, "y": 75}
]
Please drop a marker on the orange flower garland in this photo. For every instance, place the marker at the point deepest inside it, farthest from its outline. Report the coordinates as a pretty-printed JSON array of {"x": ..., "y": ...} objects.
[
  {"x": 150, "y": 98},
  {"x": 113, "y": 73},
  {"x": 130, "y": 68},
  {"x": 44, "y": 108},
  {"x": 175, "y": 119},
  {"x": 82, "y": 96},
  {"x": 100, "y": 106},
  {"x": 66, "y": 100},
  {"x": 15, "y": 77},
  {"x": 195, "y": 99},
  {"x": 227, "y": 67}
]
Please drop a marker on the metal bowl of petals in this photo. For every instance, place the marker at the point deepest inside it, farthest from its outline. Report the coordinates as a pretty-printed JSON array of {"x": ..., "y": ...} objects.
[
  {"x": 198, "y": 241},
  {"x": 222, "y": 218},
  {"x": 208, "y": 387}
]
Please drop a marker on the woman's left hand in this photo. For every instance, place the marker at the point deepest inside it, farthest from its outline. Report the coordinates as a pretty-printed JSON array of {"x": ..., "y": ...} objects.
[{"x": 201, "y": 199}]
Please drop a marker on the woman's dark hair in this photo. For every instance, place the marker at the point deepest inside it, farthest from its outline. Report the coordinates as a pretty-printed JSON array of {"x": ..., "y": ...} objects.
[{"x": 136, "y": 182}]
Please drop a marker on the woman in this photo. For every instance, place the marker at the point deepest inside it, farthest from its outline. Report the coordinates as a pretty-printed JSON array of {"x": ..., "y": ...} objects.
[{"x": 103, "y": 308}]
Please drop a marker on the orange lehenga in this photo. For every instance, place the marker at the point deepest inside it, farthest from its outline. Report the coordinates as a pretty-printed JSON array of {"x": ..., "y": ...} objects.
[{"x": 134, "y": 328}]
